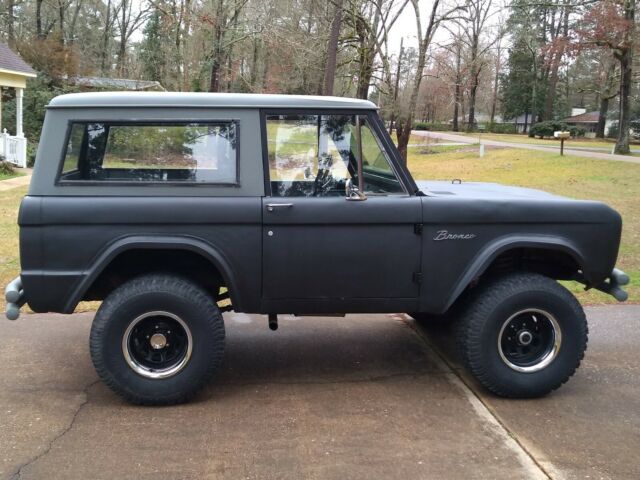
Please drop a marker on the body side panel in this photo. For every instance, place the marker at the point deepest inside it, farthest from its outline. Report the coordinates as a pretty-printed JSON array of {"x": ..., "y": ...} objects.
[{"x": 483, "y": 229}]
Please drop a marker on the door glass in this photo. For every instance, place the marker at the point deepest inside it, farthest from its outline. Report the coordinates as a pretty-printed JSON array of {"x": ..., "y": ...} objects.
[{"x": 314, "y": 156}]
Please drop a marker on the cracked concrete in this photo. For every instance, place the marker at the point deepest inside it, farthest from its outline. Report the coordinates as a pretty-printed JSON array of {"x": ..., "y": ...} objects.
[
  {"x": 46, "y": 450},
  {"x": 359, "y": 397}
]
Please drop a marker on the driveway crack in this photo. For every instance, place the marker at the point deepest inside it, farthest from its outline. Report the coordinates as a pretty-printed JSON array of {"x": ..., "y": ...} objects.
[
  {"x": 18, "y": 474},
  {"x": 475, "y": 397}
]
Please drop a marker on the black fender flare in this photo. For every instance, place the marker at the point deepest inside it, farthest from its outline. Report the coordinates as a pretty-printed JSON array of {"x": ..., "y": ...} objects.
[
  {"x": 176, "y": 242},
  {"x": 500, "y": 245}
]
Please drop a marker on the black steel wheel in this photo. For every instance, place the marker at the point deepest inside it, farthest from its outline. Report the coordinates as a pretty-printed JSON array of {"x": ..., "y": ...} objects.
[
  {"x": 157, "y": 344},
  {"x": 529, "y": 340},
  {"x": 522, "y": 335},
  {"x": 157, "y": 339}
]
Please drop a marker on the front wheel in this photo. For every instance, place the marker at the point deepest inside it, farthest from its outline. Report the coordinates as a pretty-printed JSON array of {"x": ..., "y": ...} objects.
[
  {"x": 157, "y": 339},
  {"x": 522, "y": 335}
]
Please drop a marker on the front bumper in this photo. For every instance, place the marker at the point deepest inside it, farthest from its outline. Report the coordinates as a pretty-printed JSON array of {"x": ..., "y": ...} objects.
[
  {"x": 612, "y": 285},
  {"x": 14, "y": 295}
]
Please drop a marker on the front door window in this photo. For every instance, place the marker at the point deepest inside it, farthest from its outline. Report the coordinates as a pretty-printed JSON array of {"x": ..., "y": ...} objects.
[{"x": 315, "y": 155}]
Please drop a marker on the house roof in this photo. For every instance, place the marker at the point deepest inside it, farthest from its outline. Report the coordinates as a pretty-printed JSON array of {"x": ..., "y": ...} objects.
[
  {"x": 11, "y": 62},
  {"x": 206, "y": 100},
  {"x": 116, "y": 83},
  {"x": 588, "y": 117}
]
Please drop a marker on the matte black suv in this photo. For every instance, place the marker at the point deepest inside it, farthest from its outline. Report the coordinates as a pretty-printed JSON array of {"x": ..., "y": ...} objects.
[{"x": 171, "y": 208}]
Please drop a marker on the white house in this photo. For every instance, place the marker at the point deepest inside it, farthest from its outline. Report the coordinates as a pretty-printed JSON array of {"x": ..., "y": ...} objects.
[{"x": 13, "y": 74}]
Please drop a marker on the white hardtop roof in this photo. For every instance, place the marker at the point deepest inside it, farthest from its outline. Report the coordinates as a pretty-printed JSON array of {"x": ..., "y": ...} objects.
[{"x": 207, "y": 100}]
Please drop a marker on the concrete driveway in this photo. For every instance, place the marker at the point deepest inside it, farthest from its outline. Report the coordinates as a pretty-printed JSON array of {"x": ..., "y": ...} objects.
[{"x": 369, "y": 396}]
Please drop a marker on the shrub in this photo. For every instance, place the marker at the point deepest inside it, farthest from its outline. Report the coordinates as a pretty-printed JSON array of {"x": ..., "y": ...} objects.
[
  {"x": 31, "y": 154},
  {"x": 546, "y": 129},
  {"x": 431, "y": 126},
  {"x": 577, "y": 132},
  {"x": 501, "y": 128},
  {"x": 5, "y": 167}
]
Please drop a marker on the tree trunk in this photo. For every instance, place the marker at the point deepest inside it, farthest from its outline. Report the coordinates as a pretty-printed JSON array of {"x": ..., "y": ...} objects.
[
  {"x": 404, "y": 126},
  {"x": 534, "y": 96},
  {"x": 214, "y": 82},
  {"x": 622, "y": 144},
  {"x": 496, "y": 80},
  {"x": 332, "y": 51},
  {"x": 10, "y": 25},
  {"x": 551, "y": 91},
  {"x": 367, "y": 54},
  {"x": 39, "y": 31},
  {"x": 61, "y": 15},
  {"x": 105, "y": 39},
  {"x": 396, "y": 87},
  {"x": 626, "y": 77},
  {"x": 472, "y": 103},
  {"x": 458, "y": 90},
  {"x": 602, "y": 116},
  {"x": 555, "y": 65}
]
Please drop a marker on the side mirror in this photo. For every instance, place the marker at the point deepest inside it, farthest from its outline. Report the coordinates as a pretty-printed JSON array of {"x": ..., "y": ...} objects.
[{"x": 352, "y": 193}]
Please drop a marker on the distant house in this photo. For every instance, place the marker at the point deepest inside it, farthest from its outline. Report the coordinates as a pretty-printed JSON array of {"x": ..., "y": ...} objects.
[
  {"x": 588, "y": 121},
  {"x": 14, "y": 72},
  {"x": 522, "y": 122},
  {"x": 104, "y": 83}
]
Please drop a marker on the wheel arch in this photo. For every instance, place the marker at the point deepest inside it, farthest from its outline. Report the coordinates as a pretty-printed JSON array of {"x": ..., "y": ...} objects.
[
  {"x": 482, "y": 263},
  {"x": 154, "y": 243}
]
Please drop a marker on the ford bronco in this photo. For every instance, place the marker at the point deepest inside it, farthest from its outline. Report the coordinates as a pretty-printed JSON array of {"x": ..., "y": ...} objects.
[{"x": 171, "y": 208}]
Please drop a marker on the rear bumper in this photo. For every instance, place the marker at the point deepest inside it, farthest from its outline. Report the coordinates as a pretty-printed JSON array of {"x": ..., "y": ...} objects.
[{"x": 14, "y": 295}]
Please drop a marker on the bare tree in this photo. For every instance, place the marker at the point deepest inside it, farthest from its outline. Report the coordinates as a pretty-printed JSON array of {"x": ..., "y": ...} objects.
[
  {"x": 332, "y": 50},
  {"x": 404, "y": 123},
  {"x": 128, "y": 21}
]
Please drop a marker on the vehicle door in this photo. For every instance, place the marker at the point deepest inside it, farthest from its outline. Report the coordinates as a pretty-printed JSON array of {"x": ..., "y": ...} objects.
[{"x": 326, "y": 242}]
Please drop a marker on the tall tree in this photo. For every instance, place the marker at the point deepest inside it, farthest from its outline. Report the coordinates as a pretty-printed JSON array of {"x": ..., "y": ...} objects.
[
  {"x": 332, "y": 50},
  {"x": 404, "y": 123},
  {"x": 611, "y": 24}
]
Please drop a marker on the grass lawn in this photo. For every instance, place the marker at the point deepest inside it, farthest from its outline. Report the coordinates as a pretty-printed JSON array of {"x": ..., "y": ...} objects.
[
  {"x": 519, "y": 138},
  {"x": 7, "y": 176},
  {"x": 9, "y": 262},
  {"x": 615, "y": 183}
]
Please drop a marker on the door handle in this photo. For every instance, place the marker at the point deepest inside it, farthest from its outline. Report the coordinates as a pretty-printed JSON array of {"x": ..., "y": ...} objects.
[{"x": 272, "y": 206}]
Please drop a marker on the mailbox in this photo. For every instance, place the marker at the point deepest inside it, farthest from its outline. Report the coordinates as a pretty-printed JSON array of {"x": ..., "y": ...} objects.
[{"x": 561, "y": 134}]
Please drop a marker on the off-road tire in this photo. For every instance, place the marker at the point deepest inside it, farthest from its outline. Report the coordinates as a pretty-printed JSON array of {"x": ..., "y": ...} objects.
[
  {"x": 150, "y": 293},
  {"x": 479, "y": 328}
]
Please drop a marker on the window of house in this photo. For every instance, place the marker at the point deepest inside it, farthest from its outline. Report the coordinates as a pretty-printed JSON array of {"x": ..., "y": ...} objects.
[{"x": 167, "y": 152}]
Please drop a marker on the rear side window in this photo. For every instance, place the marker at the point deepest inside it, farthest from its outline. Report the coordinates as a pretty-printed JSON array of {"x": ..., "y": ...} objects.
[{"x": 151, "y": 152}]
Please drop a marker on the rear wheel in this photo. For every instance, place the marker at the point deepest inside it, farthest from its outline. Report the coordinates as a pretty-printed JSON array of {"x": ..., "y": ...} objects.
[
  {"x": 522, "y": 335},
  {"x": 157, "y": 339}
]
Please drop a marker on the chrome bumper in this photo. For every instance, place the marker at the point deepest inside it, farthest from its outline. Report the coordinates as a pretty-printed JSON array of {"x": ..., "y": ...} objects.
[{"x": 14, "y": 295}]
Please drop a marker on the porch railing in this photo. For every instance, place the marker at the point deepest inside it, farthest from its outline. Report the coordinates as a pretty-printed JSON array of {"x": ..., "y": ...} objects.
[{"x": 13, "y": 149}]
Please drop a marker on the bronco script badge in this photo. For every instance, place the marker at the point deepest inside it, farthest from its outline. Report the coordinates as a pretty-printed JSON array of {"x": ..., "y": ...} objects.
[{"x": 445, "y": 235}]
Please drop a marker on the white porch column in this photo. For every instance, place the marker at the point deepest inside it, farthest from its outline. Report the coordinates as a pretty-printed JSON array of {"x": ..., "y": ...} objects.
[{"x": 19, "y": 92}]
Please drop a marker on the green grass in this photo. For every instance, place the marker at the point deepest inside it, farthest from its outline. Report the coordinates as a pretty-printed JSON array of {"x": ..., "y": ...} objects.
[
  {"x": 615, "y": 183},
  {"x": 9, "y": 261},
  {"x": 7, "y": 175},
  {"x": 520, "y": 138}
]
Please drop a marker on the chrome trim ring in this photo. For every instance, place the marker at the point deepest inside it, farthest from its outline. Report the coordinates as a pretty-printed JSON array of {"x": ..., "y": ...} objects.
[
  {"x": 552, "y": 349},
  {"x": 149, "y": 372}
]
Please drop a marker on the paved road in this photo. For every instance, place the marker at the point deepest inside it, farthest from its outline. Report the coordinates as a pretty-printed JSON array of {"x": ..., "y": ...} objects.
[
  {"x": 369, "y": 396},
  {"x": 453, "y": 138}
]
